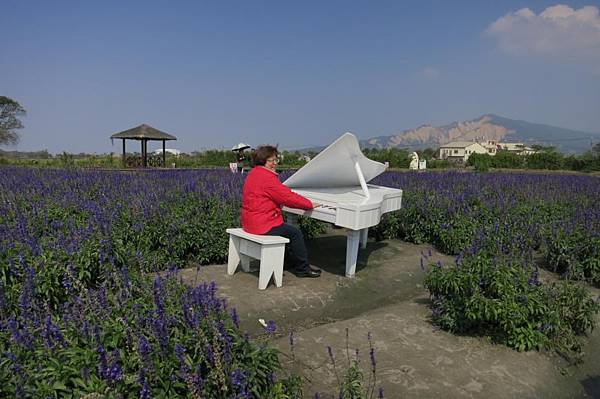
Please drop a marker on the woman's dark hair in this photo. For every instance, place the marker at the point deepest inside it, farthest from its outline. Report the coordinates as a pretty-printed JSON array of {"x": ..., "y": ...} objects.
[{"x": 262, "y": 153}]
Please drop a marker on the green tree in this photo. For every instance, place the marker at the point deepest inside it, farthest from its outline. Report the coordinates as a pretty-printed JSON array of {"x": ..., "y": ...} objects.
[
  {"x": 545, "y": 160},
  {"x": 543, "y": 148},
  {"x": 10, "y": 111},
  {"x": 427, "y": 153},
  {"x": 481, "y": 162}
]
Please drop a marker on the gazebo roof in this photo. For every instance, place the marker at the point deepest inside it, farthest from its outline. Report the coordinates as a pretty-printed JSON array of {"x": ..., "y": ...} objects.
[{"x": 143, "y": 132}]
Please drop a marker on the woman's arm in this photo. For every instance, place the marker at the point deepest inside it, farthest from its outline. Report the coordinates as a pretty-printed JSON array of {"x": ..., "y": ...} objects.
[{"x": 283, "y": 195}]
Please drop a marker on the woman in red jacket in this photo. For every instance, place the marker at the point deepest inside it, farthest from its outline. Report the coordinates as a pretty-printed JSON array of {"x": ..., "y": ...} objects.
[{"x": 262, "y": 198}]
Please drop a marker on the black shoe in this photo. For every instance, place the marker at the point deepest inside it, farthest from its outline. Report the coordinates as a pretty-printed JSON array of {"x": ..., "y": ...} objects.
[
  {"x": 308, "y": 273},
  {"x": 314, "y": 268}
]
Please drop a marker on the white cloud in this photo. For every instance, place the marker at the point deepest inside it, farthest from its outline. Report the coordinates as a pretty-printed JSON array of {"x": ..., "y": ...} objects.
[
  {"x": 430, "y": 73},
  {"x": 558, "y": 31}
]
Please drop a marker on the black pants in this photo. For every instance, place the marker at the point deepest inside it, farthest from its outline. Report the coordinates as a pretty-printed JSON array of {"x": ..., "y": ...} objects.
[{"x": 298, "y": 251}]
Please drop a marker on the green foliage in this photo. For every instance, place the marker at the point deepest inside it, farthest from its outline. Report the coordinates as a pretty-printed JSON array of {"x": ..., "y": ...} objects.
[
  {"x": 310, "y": 227},
  {"x": 481, "y": 162},
  {"x": 544, "y": 160},
  {"x": 495, "y": 297},
  {"x": 440, "y": 164},
  {"x": 508, "y": 160},
  {"x": 575, "y": 254},
  {"x": 66, "y": 160},
  {"x": 352, "y": 383},
  {"x": 199, "y": 235},
  {"x": 397, "y": 158}
]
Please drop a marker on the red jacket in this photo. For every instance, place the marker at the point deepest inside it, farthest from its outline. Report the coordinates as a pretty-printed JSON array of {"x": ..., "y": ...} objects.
[{"x": 262, "y": 198}]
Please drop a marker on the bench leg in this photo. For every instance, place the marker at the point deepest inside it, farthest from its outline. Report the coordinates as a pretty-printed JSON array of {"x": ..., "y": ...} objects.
[
  {"x": 245, "y": 259},
  {"x": 233, "y": 259},
  {"x": 364, "y": 236},
  {"x": 271, "y": 264}
]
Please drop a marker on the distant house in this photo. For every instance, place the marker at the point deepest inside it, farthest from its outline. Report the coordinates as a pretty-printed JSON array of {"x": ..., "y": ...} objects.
[
  {"x": 168, "y": 151},
  {"x": 517, "y": 148},
  {"x": 491, "y": 146},
  {"x": 461, "y": 150}
]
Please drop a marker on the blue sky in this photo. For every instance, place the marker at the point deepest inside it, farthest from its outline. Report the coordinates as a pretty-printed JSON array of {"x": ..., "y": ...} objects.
[{"x": 294, "y": 73}]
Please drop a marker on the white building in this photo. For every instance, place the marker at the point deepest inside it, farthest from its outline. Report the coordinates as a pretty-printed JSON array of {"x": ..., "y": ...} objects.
[
  {"x": 491, "y": 146},
  {"x": 517, "y": 148},
  {"x": 168, "y": 151},
  {"x": 461, "y": 150}
]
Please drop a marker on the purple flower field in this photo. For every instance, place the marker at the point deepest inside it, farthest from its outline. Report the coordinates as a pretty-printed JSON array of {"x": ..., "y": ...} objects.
[
  {"x": 503, "y": 213},
  {"x": 76, "y": 248}
]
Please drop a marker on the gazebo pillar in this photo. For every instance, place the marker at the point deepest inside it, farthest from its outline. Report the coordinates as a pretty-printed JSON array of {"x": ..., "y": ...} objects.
[
  {"x": 143, "y": 153},
  {"x": 124, "y": 155},
  {"x": 164, "y": 155}
]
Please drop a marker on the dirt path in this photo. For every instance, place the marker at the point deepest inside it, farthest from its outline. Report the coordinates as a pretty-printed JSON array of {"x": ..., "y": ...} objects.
[{"x": 387, "y": 299}]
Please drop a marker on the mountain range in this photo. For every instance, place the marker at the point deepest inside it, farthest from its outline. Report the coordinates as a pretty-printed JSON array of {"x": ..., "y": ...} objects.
[{"x": 486, "y": 127}]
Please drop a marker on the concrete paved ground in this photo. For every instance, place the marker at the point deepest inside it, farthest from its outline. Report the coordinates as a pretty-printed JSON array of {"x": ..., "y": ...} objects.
[{"x": 387, "y": 299}]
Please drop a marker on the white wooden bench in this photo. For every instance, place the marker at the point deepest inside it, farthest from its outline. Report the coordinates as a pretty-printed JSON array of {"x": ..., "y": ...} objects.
[{"x": 269, "y": 250}]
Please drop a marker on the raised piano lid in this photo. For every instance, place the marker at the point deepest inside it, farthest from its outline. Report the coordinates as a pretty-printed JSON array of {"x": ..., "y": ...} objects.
[{"x": 336, "y": 166}]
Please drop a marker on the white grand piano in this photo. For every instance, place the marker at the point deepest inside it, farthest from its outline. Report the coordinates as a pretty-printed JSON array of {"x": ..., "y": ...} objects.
[{"x": 337, "y": 178}]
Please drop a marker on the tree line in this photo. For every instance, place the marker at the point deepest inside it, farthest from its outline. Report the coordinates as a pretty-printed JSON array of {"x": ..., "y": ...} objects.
[
  {"x": 545, "y": 158},
  {"x": 548, "y": 159}
]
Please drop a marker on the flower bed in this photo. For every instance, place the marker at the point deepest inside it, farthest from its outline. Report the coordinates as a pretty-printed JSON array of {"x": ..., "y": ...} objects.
[
  {"x": 81, "y": 314},
  {"x": 496, "y": 224}
]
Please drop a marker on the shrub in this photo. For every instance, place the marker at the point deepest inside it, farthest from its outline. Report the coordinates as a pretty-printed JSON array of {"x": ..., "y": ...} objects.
[
  {"x": 575, "y": 254},
  {"x": 503, "y": 299},
  {"x": 506, "y": 159},
  {"x": 545, "y": 160},
  {"x": 481, "y": 162},
  {"x": 310, "y": 227}
]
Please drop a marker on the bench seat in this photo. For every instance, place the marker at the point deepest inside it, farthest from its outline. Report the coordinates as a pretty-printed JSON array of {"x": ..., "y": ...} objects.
[{"x": 269, "y": 250}]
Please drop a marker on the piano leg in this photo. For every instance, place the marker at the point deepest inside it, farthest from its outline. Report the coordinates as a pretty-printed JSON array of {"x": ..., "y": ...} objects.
[
  {"x": 352, "y": 251},
  {"x": 364, "y": 235}
]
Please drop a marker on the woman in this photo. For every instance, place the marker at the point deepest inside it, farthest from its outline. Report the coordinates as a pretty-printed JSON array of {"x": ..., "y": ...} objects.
[{"x": 262, "y": 198}]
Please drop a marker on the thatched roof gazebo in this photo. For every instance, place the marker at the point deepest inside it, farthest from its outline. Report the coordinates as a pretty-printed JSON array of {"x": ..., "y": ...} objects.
[{"x": 144, "y": 133}]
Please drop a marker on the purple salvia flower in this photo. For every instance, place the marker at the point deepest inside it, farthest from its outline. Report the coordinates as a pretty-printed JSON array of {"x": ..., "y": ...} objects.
[
  {"x": 144, "y": 350},
  {"x": 51, "y": 334},
  {"x": 210, "y": 355},
  {"x": 125, "y": 276},
  {"x": 235, "y": 318},
  {"x": 271, "y": 327},
  {"x": 102, "y": 362},
  {"x": 145, "y": 392},
  {"x": 372, "y": 357},
  {"x": 102, "y": 301},
  {"x": 238, "y": 379}
]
